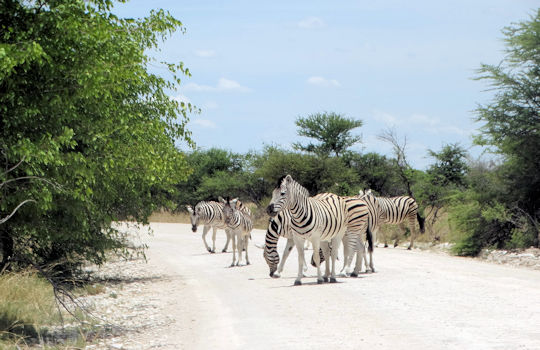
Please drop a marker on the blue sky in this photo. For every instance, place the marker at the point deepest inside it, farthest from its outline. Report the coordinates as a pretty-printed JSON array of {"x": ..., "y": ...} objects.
[{"x": 258, "y": 65}]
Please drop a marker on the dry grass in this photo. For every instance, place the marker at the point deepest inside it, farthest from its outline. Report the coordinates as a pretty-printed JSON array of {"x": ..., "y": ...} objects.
[
  {"x": 27, "y": 304},
  {"x": 167, "y": 216}
]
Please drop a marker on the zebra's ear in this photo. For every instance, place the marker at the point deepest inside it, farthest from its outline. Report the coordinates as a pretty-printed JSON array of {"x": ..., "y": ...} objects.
[
  {"x": 361, "y": 192},
  {"x": 368, "y": 191},
  {"x": 189, "y": 209},
  {"x": 288, "y": 179},
  {"x": 222, "y": 200},
  {"x": 234, "y": 203}
]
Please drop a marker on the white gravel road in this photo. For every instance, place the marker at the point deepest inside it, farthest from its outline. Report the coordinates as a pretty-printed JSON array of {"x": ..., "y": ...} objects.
[{"x": 415, "y": 300}]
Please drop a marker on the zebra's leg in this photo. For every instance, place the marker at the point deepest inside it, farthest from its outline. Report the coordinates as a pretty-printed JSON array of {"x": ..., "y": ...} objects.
[
  {"x": 299, "y": 242},
  {"x": 336, "y": 241},
  {"x": 239, "y": 247},
  {"x": 325, "y": 247},
  {"x": 317, "y": 259},
  {"x": 412, "y": 220},
  {"x": 233, "y": 238},
  {"x": 214, "y": 230},
  {"x": 346, "y": 248},
  {"x": 285, "y": 255},
  {"x": 360, "y": 257},
  {"x": 228, "y": 234},
  {"x": 205, "y": 231},
  {"x": 246, "y": 241}
]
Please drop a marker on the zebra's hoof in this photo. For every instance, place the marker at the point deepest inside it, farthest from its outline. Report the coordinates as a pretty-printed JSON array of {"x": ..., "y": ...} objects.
[
  {"x": 248, "y": 263},
  {"x": 320, "y": 281},
  {"x": 333, "y": 280},
  {"x": 409, "y": 248},
  {"x": 297, "y": 283},
  {"x": 209, "y": 250},
  {"x": 224, "y": 251},
  {"x": 354, "y": 274},
  {"x": 232, "y": 265},
  {"x": 325, "y": 279},
  {"x": 212, "y": 251}
]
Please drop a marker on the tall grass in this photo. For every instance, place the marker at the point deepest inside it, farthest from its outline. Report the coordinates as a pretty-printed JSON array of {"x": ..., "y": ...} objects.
[{"x": 26, "y": 305}]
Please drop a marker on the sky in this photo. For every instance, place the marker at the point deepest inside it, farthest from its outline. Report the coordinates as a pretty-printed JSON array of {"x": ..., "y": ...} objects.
[{"x": 407, "y": 66}]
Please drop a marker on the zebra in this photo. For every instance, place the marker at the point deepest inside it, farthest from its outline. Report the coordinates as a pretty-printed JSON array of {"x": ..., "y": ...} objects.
[
  {"x": 312, "y": 218},
  {"x": 395, "y": 210},
  {"x": 210, "y": 214},
  {"x": 240, "y": 226},
  {"x": 280, "y": 226},
  {"x": 358, "y": 224}
]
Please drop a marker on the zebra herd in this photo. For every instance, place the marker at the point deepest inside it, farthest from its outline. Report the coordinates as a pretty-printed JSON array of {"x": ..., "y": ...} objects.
[{"x": 326, "y": 220}]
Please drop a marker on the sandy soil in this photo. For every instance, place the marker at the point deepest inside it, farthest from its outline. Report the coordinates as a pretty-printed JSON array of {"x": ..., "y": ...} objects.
[{"x": 415, "y": 300}]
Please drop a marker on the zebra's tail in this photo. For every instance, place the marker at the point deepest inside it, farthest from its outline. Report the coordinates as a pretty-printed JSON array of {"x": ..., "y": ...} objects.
[
  {"x": 421, "y": 222},
  {"x": 369, "y": 238}
]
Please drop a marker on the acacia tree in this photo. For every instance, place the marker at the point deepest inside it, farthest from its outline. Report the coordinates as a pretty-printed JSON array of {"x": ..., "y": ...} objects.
[
  {"x": 332, "y": 130},
  {"x": 80, "y": 109},
  {"x": 511, "y": 122}
]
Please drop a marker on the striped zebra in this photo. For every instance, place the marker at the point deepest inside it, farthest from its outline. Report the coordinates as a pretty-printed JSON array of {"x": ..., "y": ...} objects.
[
  {"x": 312, "y": 218},
  {"x": 240, "y": 225},
  {"x": 280, "y": 226},
  {"x": 210, "y": 215},
  {"x": 358, "y": 226},
  {"x": 395, "y": 211}
]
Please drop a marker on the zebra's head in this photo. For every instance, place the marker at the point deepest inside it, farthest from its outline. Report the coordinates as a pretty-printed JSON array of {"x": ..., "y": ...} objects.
[
  {"x": 280, "y": 196},
  {"x": 228, "y": 209},
  {"x": 193, "y": 217}
]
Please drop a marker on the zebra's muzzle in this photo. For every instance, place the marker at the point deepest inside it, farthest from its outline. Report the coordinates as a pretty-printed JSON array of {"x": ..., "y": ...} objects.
[
  {"x": 194, "y": 228},
  {"x": 270, "y": 210}
]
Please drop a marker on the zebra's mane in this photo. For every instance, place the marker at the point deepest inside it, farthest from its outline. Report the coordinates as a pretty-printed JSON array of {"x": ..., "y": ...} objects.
[{"x": 280, "y": 180}]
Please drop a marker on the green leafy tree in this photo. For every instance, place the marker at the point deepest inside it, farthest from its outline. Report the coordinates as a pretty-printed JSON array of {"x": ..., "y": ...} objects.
[
  {"x": 86, "y": 131},
  {"x": 332, "y": 130},
  {"x": 511, "y": 122}
]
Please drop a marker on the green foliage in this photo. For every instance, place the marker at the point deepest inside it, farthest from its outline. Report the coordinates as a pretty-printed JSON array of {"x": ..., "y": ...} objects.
[
  {"x": 216, "y": 172},
  {"x": 92, "y": 129},
  {"x": 502, "y": 206},
  {"x": 332, "y": 130},
  {"x": 376, "y": 172},
  {"x": 511, "y": 122},
  {"x": 317, "y": 174}
]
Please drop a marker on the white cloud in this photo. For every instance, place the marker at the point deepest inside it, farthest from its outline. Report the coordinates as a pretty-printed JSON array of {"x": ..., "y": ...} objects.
[
  {"x": 181, "y": 98},
  {"x": 323, "y": 82},
  {"x": 311, "y": 22},
  {"x": 205, "y": 53},
  {"x": 210, "y": 105},
  {"x": 205, "y": 123},
  {"x": 430, "y": 124},
  {"x": 223, "y": 84}
]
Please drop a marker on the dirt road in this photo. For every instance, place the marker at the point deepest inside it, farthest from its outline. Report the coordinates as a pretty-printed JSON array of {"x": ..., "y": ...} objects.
[{"x": 416, "y": 300}]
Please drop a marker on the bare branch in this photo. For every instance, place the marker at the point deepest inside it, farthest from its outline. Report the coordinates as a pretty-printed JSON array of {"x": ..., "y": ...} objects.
[
  {"x": 54, "y": 184},
  {"x": 14, "y": 167},
  {"x": 17, "y": 208}
]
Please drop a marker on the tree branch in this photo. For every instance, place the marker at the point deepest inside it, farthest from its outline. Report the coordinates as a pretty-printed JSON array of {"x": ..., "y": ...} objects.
[{"x": 15, "y": 210}]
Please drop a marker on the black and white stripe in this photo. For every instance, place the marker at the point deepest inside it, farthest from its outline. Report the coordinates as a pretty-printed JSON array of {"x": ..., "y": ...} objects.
[
  {"x": 240, "y": 225},
  {"x": 280, "y": 226},
  {"x": 394, "y": 211},
  {"x": 311, "y": 218},
  {"x": 210, "y": 215}
]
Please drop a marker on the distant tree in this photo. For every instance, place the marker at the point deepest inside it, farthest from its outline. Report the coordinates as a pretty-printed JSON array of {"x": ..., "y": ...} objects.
[
  {"x": 405, "y": 171},
  {"x": 511, "y": 122},
  {"x": 332, "y": 130},
  {"x": 450, "y": 166}
]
